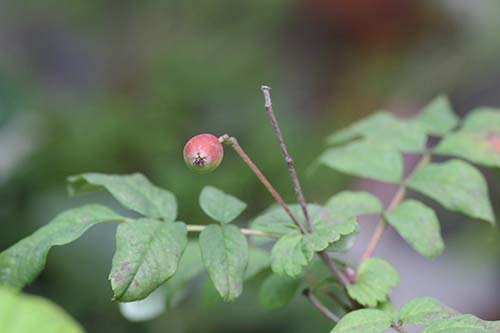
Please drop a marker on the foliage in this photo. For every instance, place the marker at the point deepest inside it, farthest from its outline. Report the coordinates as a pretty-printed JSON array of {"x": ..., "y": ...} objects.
[{"x": 153, "y": 250}]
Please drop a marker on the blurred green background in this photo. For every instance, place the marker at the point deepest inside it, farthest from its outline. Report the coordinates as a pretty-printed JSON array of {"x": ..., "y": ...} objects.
[{"x": 119, "y": 86}]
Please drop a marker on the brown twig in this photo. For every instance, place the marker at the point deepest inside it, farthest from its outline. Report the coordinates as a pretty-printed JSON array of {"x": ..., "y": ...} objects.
[
  {"x": 333, "y": 268},
  {"x": 320, "y": 306},
  {"x": 235, "y": 145},
  {"x": 295, "y": 179},
  {"x": 396, "y": 200},
  {"x": 289, "y": 161}
]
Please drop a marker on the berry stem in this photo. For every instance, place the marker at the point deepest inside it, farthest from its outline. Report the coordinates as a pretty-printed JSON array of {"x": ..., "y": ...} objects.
[
  {"x": 235, "y": 145},
  {"x": 248, "y": 232},
  {"x": 320, "y": 306},
  {"x": 396, "y": 200},
  {"x": 291, "y": 165}
]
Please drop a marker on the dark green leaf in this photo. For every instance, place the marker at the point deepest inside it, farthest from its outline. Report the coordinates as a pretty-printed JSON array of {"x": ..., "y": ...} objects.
[
  {"x": 438, "y": 117},
  {"x": 376, "y": 278},
  {"x": 463, "y": 324},
  {"x": 147, "y": 254},
  {"x": 224, "y": 250},
  {"x": 424, "y": 310},
  {"x": 366, "y": 159},
  {"x": 383, "y": 127},
  {"x": 457, "y": 185},
  {"x": 327, "y": 230},
  {"x": 287, "y": 255},
  {"x": 133, "y": 191},
  {"x": 277, "y": 291},
  {"x": 23, "y": 314},
  {"x": 363, "y": 321},
  {"x": 351, "y": 204},
  {"x": 419, "y": 226},
  {"x": 23, "y": 261},
  {"x": 220, "y": 206}
]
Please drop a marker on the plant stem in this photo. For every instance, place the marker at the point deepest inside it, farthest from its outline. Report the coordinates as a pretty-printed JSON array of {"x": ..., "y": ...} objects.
[
  {"x": 291, "y": 165},
  {"x": 333, "y": 268},
  {"x": 248, "y": 232},
  {"x": 234, "y": 143},
  {"x": 396, "y": 200},
  {"x": 295, "y": 179},
  {"x": 320, "y": 306}
]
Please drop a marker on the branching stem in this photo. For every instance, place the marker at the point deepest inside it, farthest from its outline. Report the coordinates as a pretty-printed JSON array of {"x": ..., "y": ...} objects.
[
  {"x": 396, "y": 200},
  {"x": 235, "y": 145},
  {"x": 399, "y": 328},
  {"x": 289, "y": 161},
  {"x": 320, "y": 306},
  {"x": 248, "y": 232}
]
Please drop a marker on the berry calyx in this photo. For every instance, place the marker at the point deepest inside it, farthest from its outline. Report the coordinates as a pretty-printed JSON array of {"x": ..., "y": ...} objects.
[{"x": 203, "y": 153}]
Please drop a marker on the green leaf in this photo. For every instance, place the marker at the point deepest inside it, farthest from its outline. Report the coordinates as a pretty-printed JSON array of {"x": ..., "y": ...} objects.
[
  {"x": 478, "y": 140},
  {"x": 275, "y": 220},
  {"x": 438, "y": 117},
  {"x": 462, "y": 324},
  {"x": 22, "y": 262},
  {"x": 424, "y": 310},
  {"x": 366, "y": 159},
  {"x": 483, "y": 149},
  {"x": 287, "y": 255},
  {"x": 363, "y": 321},
  {"x": 327, "y": 229},
  {"x": 383, "y": 127},
  {"x": 277, "y": 291},
  {"x": 345, "y": 243},
  {"x": 354, "y": 203},
  {"x": 220, "y": 206},
  {"x": 147, "y": 254},
  {"x": 376, "y": 278},
  {"x": 482, "y": 120},
  {"x": 21, "y": 313},
  {"x": 224, "y": 250},
  {"x": 457, "y": 185},
  {"x": 419, "y": 226},
  {"x": 133, "y": 191}
]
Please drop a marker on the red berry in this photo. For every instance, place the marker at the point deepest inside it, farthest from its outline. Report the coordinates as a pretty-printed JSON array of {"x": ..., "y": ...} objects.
[{"x": 203, "y": 153}]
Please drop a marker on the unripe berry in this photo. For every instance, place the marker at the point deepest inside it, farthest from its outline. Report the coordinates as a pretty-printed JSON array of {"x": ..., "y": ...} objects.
[{"x": 203, "y": 153}]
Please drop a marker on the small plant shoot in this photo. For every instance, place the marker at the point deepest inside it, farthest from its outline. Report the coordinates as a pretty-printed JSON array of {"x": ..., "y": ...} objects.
[{"x": 295, "y": 246}]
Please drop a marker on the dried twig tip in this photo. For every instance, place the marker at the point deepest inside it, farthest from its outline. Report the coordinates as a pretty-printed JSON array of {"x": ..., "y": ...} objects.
[{"x": 267, "y": 95}]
